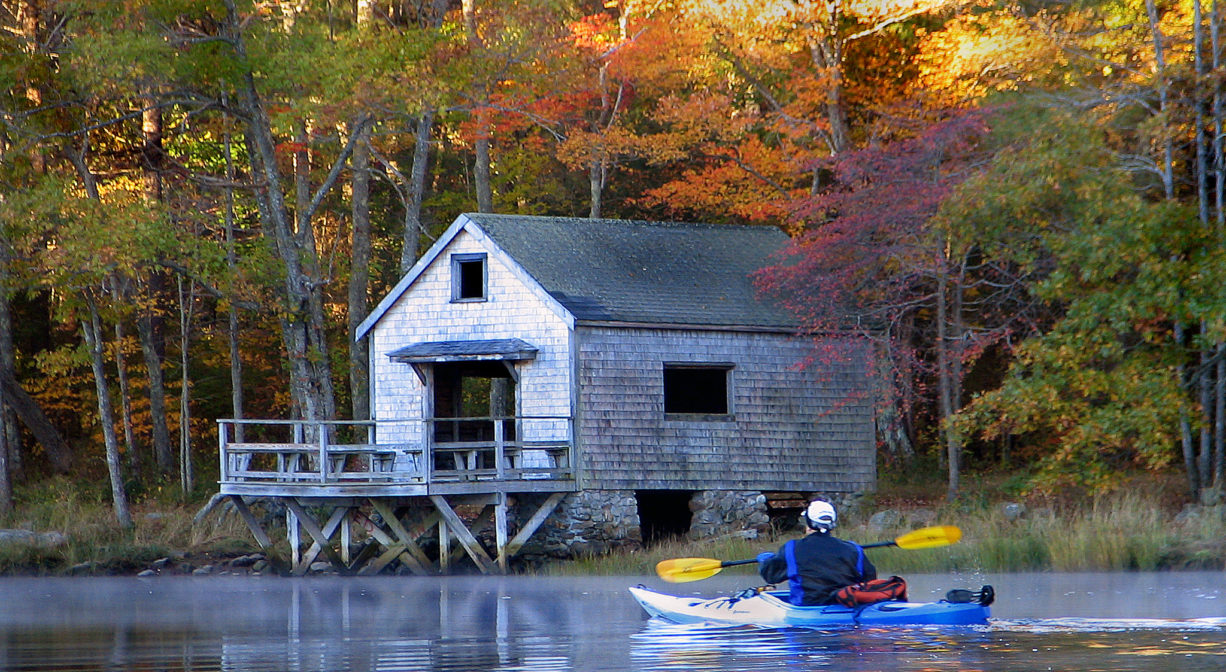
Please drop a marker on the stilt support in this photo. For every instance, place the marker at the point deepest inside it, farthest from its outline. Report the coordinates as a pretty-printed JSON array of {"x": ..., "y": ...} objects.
[{"x": 390, "y": 529}]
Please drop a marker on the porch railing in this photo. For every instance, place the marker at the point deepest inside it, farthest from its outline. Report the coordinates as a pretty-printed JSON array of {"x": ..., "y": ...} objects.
[{"x": 429, "y": 450}]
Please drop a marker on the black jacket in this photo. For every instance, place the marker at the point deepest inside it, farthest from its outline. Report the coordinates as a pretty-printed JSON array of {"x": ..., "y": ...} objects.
[{"x": 819, "y": 566}]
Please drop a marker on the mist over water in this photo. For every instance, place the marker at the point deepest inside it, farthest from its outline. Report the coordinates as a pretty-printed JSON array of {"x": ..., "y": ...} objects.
[{"x": 1117, "y": 621}]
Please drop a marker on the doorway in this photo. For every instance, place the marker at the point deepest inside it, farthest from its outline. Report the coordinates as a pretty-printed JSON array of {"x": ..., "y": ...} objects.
[{"x": 663, "y": 514}]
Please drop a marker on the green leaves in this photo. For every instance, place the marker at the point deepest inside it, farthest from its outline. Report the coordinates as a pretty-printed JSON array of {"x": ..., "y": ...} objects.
[{"x": 1099, "y": 387}]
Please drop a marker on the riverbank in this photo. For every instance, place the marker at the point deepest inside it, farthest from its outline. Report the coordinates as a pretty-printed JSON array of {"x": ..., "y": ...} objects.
[
  {"x": 1126, "y": 532},
  {"x": 1142, "y": 527}
]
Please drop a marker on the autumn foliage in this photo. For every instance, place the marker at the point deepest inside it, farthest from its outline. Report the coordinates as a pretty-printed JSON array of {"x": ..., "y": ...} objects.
[{"x": 1019, "y": 204}]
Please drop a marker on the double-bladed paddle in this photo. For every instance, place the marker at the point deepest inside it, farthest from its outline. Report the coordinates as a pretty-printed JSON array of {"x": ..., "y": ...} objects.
[{"x": 680, "y": 570}]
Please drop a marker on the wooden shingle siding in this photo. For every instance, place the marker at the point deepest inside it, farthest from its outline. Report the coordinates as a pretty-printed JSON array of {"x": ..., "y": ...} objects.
[
  {"x": 426, "y": 313},
  {"x": 793, "y": 429}
]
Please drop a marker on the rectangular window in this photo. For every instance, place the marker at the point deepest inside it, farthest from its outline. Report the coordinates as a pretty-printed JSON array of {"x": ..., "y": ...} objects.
[
  {"x": 696, "y": 390},
  {"x": 468, "y": 277}
]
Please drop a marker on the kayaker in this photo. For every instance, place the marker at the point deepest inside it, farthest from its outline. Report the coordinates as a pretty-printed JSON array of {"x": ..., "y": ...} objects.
[{"x": 817, "y": 565}]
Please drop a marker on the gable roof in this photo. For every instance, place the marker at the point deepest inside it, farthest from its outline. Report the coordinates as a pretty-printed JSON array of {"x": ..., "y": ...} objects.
[{"x": 609, "y": 270}]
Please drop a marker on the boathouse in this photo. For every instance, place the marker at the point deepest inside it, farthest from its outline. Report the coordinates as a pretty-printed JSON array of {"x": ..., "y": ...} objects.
[{"x": 575, "y": 385}]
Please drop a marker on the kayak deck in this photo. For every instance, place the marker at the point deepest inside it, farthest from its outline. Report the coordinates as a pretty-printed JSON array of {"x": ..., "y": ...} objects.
[{"x": 770, "y": 610}]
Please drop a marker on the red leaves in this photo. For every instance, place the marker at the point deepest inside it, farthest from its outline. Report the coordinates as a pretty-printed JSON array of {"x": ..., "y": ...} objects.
[{"x": 867, "y": 254}]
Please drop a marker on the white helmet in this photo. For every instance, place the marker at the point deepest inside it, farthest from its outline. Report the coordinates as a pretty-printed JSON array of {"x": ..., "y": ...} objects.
[{"x": 821, "y": 516}]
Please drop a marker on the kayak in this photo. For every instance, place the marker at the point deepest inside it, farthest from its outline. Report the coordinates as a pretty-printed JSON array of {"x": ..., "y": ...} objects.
[{"x": 771, "y": 609}]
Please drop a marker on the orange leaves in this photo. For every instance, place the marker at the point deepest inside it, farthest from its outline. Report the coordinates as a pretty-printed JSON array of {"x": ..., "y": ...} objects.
[{"x": 594, "y": 32}]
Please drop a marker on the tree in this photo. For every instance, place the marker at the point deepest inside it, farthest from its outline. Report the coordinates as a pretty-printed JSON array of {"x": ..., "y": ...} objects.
[
  {"x": 872, "y": 262},
  {"x": 1097, "y": 386}
]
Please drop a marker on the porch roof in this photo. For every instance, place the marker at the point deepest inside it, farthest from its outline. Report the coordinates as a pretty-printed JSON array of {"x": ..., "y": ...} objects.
[{"x": 508, "y": 349}]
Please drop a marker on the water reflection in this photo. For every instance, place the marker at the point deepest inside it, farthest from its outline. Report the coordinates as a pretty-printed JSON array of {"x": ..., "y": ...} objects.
[{"x": 1174, "y": 622}]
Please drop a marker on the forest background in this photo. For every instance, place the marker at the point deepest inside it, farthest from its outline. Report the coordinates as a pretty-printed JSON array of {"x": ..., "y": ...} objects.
[{"x": 1022, "y": 203}]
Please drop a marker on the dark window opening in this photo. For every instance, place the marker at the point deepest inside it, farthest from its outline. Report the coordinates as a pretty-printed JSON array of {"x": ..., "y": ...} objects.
[
  {"x": 663, "y": 514},
  {"x": 468, "y": 275},
  {"x": 469, "y": 397},
  {"x": 701, "y": 390}
]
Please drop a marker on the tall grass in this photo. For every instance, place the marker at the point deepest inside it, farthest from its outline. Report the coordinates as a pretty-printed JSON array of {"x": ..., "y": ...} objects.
[
  {"x": 92, "y": 535},
  {"x": 1124, "y": 532}
]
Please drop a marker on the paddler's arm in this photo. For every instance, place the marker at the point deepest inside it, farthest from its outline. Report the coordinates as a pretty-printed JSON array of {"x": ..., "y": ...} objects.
[{"x": 772, "y": 567}]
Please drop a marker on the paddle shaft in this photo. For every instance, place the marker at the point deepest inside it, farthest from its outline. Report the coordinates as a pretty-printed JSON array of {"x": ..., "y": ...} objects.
[
  {"x": 733, "y": 563},
  {"x": 693, "y": 569}
]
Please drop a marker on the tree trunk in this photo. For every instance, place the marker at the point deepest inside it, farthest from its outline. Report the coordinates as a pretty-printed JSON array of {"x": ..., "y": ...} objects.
[
  {"x": 1219, "y": 425},
  {"x": 359, "y": 281},
  {"x": 162, "y": 454},
  {"x": 1167, "y": 170},
  {"x": 148, "y": 326},
  {"x": 413, "y": 217},
  {"x": 32, "y": 416},
  {"x": 1219, "y": 172},
  {"x": 187, "y": 302},
  {"x": 6, "y": 480},
  {"x": 232, "y": 332},
  {"x": 92, "y": 331},
  {"x": 945, "y": 385},
  {"x": 1204, "y": 460},
  {"x": 151, "y": 149},
  {"x": 826, "y": 52},
  {"x": 481, "y": 148},
  {"x": 595, "y": 178},
  {"x": 125, "y": 398},
  {"x": 6, "y": 474},
  {"x": 302, "y": 323},
  {"x": 481, "y": 167},
  {"x": 8, "y": 367},
  {"x": 1200, "y": 105},
  {"x": 1185, "y": 423}
]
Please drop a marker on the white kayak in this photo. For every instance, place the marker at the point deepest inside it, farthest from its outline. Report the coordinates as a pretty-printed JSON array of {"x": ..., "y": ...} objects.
[{"x": 771, "y": 609}]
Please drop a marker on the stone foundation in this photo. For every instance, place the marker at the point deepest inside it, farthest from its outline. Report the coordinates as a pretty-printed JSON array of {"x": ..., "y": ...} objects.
[
  {"x": 594, "y": 522},
  {"x": 720, "y": 512},
  {"x": 591, "y": 522}
]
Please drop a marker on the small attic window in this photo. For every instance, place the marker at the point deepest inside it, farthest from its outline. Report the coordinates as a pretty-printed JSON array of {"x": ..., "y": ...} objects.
[
  {"x": 697, "y": 391},
  {"x": 468, "y": 277}
]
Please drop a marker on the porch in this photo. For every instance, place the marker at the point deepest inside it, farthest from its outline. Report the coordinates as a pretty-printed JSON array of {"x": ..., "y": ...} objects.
[{"x": 362, "y": 494}]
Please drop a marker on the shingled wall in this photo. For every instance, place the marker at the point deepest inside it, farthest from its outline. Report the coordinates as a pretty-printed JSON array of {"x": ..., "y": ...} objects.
[{"x": 792, "y": 429}]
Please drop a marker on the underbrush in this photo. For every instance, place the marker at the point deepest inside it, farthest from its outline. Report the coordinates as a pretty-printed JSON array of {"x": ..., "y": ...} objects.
[
  {"x": 74, "y": 529},
  {"x": 1122, "y": 532}
]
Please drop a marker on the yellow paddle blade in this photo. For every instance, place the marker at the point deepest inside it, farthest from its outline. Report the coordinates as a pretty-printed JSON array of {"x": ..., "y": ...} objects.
[
  {"x": 930, "y": 537},
  {"x": 680, "y": 570}
]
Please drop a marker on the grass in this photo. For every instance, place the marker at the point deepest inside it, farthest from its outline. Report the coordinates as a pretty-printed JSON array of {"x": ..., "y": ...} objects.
[
  {"x": 92, "y": 535},
  {"x": 1123, "y": 532}
]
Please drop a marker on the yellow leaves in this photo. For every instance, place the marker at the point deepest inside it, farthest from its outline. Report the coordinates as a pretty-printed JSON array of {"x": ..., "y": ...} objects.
[{"x": 973, "y": 56}]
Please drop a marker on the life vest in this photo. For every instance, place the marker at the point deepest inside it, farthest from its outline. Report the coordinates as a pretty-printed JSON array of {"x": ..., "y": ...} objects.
[{"x": 869, "y": 592}]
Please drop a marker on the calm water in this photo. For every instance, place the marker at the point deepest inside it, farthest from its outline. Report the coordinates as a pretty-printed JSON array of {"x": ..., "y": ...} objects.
[{"x": 1147, "y": 621}]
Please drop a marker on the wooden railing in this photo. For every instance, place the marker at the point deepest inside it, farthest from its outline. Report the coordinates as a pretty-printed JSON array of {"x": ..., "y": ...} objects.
[{"x": 451, "y": 450}]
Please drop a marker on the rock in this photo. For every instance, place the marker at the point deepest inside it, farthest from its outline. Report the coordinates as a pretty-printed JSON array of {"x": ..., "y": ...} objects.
[
  {"x": 246, "y": 560},
  {"x": 260, "y": 565},
  {"x": 88, "y": 567},
  {"x": 30, "y": 537},
  {"x": 146, "y": 574},
  {"x": 1189, "y": 515},
  {"x": 17, "y": 537},
  {"x": 1210, "y": 496},
  {"x": 922, "y": 517},
  {"x": 203, "y": 571},
  {"x": 884, "y": 520},
  {"x": 321, "y": 566},
  {"x": 162, "y": 564},
  {"x": 1012, "y": 510}
]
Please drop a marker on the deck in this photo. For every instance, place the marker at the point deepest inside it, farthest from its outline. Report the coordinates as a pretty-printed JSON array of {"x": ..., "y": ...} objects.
[
  {"x": 389, "y": 484},
  {"x": 346, "y": 458}
]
